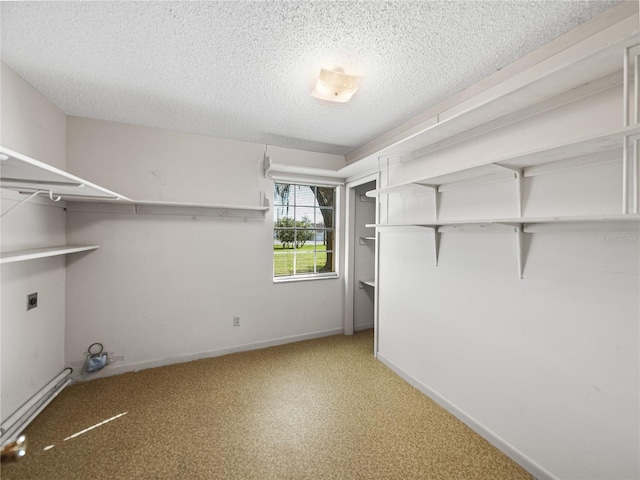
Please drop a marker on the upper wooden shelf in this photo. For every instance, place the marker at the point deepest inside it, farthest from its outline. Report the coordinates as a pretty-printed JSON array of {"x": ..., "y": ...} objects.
[
  {"x": 169, "y": 208},
  {"x": 26, "y": 175},
  {"x": 173, "y": 208},
  {"x": 562, "y": 156},
  {"x": 614, "y": 217},
  {"x": 34, "y": 253},
  {"x": 582, "y": 62}
]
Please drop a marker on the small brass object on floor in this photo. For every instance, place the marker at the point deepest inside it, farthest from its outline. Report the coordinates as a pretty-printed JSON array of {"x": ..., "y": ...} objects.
[{"x": 14, "y": 450}]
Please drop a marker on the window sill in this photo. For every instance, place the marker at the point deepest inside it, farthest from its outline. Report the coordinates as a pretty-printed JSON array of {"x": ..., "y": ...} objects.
[{"x": 305, "y": 278}]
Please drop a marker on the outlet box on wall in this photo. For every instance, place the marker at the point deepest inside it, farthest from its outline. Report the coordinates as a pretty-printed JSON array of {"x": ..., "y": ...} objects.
[{"x": 32, "y": 300}]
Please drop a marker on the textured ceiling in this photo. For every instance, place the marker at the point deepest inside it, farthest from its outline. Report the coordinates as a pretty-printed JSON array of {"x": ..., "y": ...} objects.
[{"x": 245, "y": 70}]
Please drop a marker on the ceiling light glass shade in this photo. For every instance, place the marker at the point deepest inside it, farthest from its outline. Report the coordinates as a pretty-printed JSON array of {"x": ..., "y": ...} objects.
[{"x": 336, "y": 86}]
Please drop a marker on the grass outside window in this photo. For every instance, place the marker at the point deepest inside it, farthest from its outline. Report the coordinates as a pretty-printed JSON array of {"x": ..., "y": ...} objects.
[{"x": 283, "y": 259}]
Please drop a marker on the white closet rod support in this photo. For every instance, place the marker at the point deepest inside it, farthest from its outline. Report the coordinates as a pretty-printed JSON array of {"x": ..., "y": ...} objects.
[
  {"x": 57, "y": 199},
  {"x": 519, "y": 174},
  {"x": 521, "y": 252},
  {"x": 34, "y": 194}
]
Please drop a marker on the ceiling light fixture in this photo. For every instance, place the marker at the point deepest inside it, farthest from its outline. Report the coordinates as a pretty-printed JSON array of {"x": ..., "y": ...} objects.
[{"x": 336, "y": 86}]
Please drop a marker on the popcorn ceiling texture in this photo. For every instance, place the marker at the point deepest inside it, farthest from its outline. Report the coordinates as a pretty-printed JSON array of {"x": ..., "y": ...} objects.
[{"x": 245, "y": 70}]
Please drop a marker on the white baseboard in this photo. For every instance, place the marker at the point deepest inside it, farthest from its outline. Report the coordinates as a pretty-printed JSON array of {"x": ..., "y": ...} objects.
[
  {"x": 366, "y": 326},
  {"x": 114, "y": 369},
  {"x": 516, "y": 455}
]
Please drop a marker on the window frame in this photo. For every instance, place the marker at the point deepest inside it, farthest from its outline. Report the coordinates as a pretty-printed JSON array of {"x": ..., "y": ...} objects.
[{"x": 302, "y": 277}]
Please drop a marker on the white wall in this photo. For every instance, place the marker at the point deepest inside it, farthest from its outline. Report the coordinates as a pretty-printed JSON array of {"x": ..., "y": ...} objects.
[
  {"x": 546, "y": 366},
  {"x": 32, "y": 343},
  {"x": 165, "y": 288}
]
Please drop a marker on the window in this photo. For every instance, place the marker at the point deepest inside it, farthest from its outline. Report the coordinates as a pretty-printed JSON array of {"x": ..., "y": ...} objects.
[{"x": 303, "y": 230}]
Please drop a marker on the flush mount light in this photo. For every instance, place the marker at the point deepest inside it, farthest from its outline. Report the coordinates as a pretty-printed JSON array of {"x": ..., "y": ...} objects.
[{"x": 336, "y": 86}]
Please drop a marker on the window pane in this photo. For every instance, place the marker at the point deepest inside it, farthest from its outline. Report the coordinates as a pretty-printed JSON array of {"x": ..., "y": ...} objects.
[
  {"x": 301, "y": 238},
  {"x": 305, "y": 215},
  {"x": 303, "y": 235},
  {"x": 319, "y": 240},
  {"x": 283, "y": 238},
  {"x": 282, "y": 262},
  {"x": 322, "y": 257},
  {"x": 325, "y": 196},
  {"x": 280, "y": 217},
  {"x": 305, "y": 263},
  {"x": 282, "y": 194},
  {"x": 324, "y": 217},
  {"x": 305, "y": 196}
]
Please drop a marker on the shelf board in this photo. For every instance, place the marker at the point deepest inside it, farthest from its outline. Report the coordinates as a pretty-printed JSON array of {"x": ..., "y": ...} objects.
[
  {"x": 26, "y": 175},
  {"x": 498, "y": 169},
  {"x": 33, "y": 253},
  {"x": 256, "y": 208},
  {"x": 539, "y": 82},
  {"x": 395, "y": 225},
  {"x": 614, "y": 217},
  {"x": 171, "y": 208},
  {"x": 595, "y": 144},
  {"x": 270, "y": 167},
  {"x": 410, "y": 188}
]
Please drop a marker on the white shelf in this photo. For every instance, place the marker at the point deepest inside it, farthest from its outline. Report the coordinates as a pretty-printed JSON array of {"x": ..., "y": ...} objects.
[
  {"x": 26, "y": 175},
  {"x": 582, "y": 152},
  {"x": 172, "y": 208},
  {"x": 614, "y": 217},
  {"x": 299, "y": 173},
  {"x": 564, "y": 75},
  {"x": 408, "y": 188},
  {"x": 557, "y": 74},
  {"x": 366, "y": 240},
  {"x": 367, "y": 283},
  {"x": 522, "y": 225},
  {"x": 33, "y": 253}
]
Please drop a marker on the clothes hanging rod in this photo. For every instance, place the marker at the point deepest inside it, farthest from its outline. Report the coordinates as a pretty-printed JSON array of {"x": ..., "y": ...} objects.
[
  {"x": 23, "y": 191},
  {"x": 41, "y": 182}
]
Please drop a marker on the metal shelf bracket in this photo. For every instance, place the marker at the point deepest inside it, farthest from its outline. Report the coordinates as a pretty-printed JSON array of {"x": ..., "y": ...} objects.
[{"x": 34, "y": 194}]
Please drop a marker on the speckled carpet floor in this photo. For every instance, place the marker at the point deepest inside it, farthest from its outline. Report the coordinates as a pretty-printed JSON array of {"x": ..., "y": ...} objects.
[{"x": 319, "y": 409}]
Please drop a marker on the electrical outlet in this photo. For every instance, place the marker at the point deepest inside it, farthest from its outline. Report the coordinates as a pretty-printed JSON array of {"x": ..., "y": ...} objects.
[
  {"x": 236, "y": 321},
  {"x": 32, "y": 300}
]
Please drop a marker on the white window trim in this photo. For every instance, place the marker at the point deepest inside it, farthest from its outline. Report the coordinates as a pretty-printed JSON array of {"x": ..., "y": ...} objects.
[{"x": 336, "y": 229}]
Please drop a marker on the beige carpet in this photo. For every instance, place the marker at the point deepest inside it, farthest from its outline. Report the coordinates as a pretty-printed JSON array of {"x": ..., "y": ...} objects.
[{"x": 319, "y": 409}]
